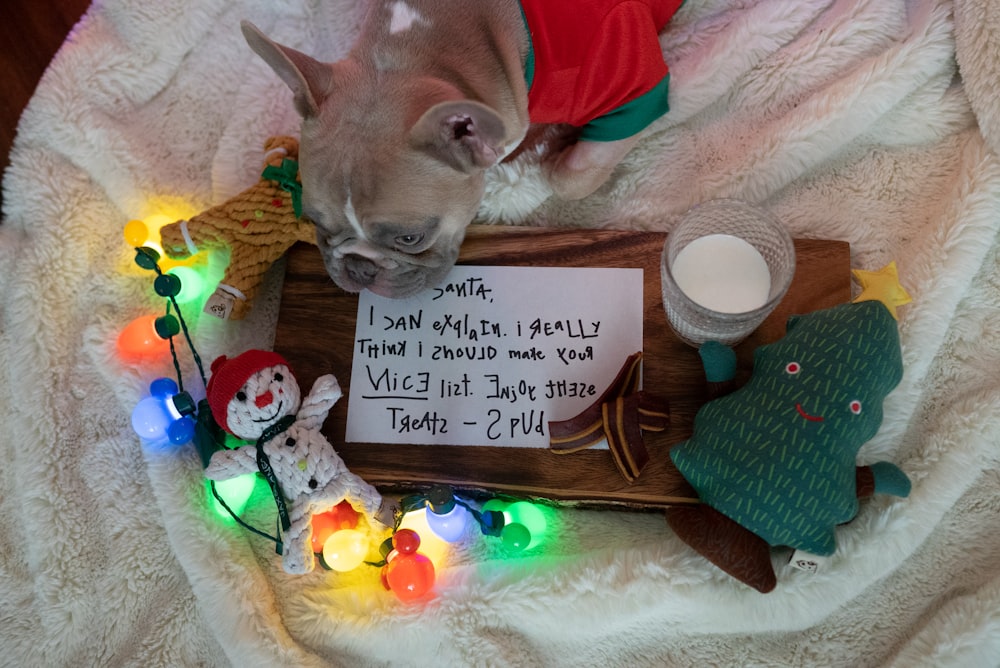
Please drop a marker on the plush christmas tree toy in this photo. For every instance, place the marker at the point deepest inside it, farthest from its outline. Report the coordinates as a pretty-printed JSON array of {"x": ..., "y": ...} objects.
[
  {"x": 257, "y": 227},
  {"x": 255, "y": 396},
  {"x": 774, "y": 463}
]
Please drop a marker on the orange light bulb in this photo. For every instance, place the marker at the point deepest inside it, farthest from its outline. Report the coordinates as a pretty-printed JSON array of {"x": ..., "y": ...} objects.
[{"x": 139, "y": 340}]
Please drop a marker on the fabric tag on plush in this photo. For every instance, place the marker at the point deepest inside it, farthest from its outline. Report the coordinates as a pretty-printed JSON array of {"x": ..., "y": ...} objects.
[
  {"x": 220, "y": 304},
  {"x": 805, "y": 561}
]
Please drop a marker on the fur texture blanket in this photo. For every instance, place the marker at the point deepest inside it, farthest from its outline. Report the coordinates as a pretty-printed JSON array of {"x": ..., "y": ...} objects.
[{"x": 872, "y": 121}]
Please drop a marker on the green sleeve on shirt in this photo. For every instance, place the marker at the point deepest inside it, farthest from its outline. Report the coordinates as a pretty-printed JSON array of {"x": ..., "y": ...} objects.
[{"x": 632, "y": 117}]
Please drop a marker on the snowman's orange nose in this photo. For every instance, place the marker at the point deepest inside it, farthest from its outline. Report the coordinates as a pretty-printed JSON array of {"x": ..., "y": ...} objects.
[{"x": 264, "y": 399}]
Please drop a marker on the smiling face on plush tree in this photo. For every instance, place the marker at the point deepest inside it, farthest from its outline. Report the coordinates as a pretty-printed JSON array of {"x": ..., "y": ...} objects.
[
  {"x": 830, "y": 373},
  {"x": 778, "y": 456}
]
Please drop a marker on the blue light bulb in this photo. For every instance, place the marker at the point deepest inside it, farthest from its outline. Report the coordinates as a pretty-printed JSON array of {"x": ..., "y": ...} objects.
[
  {"x": 157, "y": 420},
  {"x": 451, "y": 525},
  {"x": 446, "y": 518}
]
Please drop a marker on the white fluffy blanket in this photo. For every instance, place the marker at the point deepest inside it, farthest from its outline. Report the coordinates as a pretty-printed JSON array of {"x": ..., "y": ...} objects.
[{"x": 872, "y": 121}]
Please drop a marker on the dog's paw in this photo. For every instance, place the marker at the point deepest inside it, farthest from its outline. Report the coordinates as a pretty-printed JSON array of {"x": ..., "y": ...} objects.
[
  {"x": 569, "y": 185},
  {"x": 581, "y": 169}
]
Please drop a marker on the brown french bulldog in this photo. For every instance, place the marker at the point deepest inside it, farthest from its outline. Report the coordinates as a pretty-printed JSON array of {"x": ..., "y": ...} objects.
[{"x": 396, "y": 137}]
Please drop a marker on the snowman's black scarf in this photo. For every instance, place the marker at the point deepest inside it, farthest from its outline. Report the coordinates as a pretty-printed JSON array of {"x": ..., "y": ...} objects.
[{"x": 264, "y": 466}]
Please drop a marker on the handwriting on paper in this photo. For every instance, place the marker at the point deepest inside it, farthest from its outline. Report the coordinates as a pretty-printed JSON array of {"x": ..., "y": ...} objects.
[{"x": 490, "y": 356}]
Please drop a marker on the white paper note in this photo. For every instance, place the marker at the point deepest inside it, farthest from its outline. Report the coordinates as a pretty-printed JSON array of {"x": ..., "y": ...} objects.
[{"x": 490, "y": 356}]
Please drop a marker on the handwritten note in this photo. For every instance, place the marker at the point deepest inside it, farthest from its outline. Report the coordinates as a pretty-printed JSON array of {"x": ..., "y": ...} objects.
[{"x": 490, "y": 356}]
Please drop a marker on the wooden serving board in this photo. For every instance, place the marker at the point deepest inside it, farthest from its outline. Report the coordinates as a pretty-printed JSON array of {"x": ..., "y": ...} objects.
[{"x": 315, "y": 332}]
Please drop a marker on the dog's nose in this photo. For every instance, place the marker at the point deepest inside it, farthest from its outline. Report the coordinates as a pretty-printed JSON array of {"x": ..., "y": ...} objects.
[{"x": 361, "y": 270}]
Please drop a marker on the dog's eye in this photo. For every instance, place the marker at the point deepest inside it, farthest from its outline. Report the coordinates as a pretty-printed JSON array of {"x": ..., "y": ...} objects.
[{"x": 409, "y": 240}]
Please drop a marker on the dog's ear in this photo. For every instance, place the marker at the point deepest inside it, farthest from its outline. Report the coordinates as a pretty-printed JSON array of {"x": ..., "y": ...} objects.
[
  {"x": 310, "y": 80},
  {"x": 465, "y": 134}
]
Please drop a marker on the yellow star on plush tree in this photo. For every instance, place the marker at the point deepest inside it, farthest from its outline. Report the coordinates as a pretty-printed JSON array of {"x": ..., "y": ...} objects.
[{"x": 883, "y": 286}]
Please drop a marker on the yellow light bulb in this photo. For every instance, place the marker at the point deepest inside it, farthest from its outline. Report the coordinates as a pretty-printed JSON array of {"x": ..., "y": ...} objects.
[
  {"x": 344, "y": 550},
  {"x": 136, "y": 233}
]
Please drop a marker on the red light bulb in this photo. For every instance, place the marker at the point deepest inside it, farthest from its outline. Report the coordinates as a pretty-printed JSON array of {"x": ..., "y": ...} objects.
[
  {"x": 344, "y": 516},
  {"x": 406, "y": 541},
  {"x": 322, "y": 528},
  {"x": 407, "y": 573},
  {"x": 409, "y": 576}
]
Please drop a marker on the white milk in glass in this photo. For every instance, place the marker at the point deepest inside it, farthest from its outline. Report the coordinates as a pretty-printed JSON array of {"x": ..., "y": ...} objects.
[{"x": 723, "y": 273}]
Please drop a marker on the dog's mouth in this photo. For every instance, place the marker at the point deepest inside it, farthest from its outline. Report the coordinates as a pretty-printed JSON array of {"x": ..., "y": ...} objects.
[
  {"x": 388, "y": 276},
  {"x": 395, "y": 282},
  {"x": 363, "y": 271}
]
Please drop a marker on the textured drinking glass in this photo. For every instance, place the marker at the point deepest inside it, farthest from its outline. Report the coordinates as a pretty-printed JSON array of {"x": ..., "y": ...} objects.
[{"x": 695, "y": 323}]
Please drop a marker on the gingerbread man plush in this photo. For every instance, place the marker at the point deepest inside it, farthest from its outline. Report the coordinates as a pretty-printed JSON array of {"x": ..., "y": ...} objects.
[
  {"x": 257, "y": 226},
  {"x": 255, "y": 396}
]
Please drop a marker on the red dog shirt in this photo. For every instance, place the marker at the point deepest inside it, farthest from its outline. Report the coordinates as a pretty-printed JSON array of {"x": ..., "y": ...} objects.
[{"x": 597, "y": 64}]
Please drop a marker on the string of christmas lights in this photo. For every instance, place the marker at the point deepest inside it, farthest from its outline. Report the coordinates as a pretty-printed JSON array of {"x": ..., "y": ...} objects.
[{"x": 169, "y": 417}]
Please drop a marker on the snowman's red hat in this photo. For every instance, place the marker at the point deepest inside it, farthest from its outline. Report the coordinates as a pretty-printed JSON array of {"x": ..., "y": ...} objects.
[{"x": 229, "y": 375}]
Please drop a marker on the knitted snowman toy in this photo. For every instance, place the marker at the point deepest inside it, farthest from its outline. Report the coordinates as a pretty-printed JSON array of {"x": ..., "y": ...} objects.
[{"x": 255, "y": 397}]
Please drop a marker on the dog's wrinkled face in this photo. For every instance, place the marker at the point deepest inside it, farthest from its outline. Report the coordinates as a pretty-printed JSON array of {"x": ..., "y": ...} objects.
[
  {"x": 389, "y": 218},
  {"x": 392, "y": 166}
]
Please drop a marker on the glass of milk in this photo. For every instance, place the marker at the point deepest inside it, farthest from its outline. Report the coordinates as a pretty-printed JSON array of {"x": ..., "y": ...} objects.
[{"x": 725, "y": 267}]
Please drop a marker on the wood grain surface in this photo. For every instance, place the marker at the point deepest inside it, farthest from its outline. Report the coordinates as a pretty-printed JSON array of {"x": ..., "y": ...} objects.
[{"x": 315, "y": 333}]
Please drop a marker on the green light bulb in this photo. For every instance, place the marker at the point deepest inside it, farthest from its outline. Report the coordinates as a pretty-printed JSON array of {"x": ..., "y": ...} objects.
[
  {"x": 495, "y": 504},
  {"x": 533, "y": 519},
  {"x": 192, "y": 284},
  {"x": 515, "y": 537},
  {"x": 235, "y": 492}
]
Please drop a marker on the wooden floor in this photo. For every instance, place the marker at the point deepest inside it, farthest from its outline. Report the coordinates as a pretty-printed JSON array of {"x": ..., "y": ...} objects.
[{"x": 31, "y": 33}]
